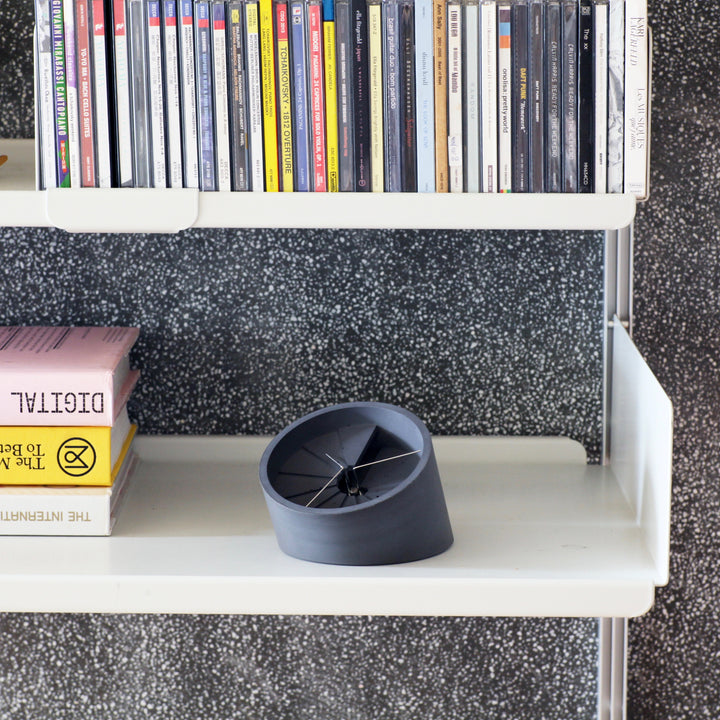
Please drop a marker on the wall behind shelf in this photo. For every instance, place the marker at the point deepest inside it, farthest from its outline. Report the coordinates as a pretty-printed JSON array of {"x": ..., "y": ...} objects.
[{"x": 243, "y": 331}]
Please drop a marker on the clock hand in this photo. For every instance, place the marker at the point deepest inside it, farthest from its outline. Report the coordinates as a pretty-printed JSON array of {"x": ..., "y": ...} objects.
[
  {"x": 335, "y": 461},
  {"x": 394, "y": 457},
  {"x": 324, "y": 487}
]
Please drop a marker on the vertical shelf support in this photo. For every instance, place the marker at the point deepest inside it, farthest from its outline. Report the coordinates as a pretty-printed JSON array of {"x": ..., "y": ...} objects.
[{"x": 612, "y": 669}]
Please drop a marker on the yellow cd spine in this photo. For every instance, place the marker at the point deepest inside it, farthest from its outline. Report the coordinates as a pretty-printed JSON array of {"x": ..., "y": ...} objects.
[{"x": 267, "y": 66}]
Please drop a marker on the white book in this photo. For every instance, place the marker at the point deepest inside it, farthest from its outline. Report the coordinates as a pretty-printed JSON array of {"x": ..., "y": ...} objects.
[
  {"x": 100, "y": 93},
  {"x": 425, "y": 96},
  {"x": 455, "y": 96},
  {"x": 65, "y": 510},
  {"x": 73, "y": 103},
  {"x": 257, "y": 165},
  {"x": 600, "y": 44},
  {"x": 172, "y": 95},
  {"x": 616, "y": 95},
  {"x": 489, "y": 96},
  {"x": 45, "y": 95},
  {"x": 156, "y": 94},
  {"x": 471, "y": 41},
  {"x": 220, "y": 96},
  {"x": 636, "y": 97},
  {"x": 189, "y": 108},
  {"x": 504, "y": 37}
]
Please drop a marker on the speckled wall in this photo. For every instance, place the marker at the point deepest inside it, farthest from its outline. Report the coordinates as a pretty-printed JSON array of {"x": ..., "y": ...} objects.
[{"x": 491, "y": 333}]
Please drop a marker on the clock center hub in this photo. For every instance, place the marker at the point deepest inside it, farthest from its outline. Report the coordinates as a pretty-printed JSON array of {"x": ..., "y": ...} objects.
[{"x": 349, "y": 482}]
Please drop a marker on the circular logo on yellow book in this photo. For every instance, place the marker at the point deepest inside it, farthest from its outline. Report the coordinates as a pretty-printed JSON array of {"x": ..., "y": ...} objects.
[{"x": 76, "y": 457}]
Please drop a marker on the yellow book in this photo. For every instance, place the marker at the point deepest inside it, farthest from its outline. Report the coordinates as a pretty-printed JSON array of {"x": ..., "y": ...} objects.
[
  {"x": 377, "y": 159},
  {"x": 284, "y": 97},
  {"x": 331, "y": 124},
  {"x": 267, "y": 66},
  {"x": 64, "y": 455}
]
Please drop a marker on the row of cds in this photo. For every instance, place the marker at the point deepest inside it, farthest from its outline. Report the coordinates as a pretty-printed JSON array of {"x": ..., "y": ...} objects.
[{"x": 344, "y": 95}]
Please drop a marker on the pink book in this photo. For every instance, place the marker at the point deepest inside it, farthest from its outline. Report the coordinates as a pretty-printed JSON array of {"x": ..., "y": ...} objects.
[{"x": 65, "y": 375}]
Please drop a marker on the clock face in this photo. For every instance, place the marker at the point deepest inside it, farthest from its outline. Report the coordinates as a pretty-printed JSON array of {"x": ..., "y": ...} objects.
[{"x": 347, "y": 466}]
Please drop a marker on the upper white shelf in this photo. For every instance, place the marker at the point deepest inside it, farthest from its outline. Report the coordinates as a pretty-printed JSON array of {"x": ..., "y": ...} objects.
[{"x": 163, "y": 211}]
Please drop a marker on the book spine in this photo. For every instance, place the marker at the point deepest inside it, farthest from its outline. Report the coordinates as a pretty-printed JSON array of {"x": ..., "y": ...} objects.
[
  {"x": 536, "y": 92},
  {"x": 73, "y": 107},
  {"x": 267, "y": 67},
  {"x": 45, "y": 94},
  {"x": 471, "y": 95},
  {"x": 61, "y": 143},
  {"x": 489, "y": 96},
  {"x": 391, "y": 95},
  {"x": 123, "y": 112},
  {"x": 616, "y": 96},
  {"x": 317, "y": 95},
  {"x": 361, "y": 94},
  {"x": 600, "y": 71},
  {"x": 220, "y": 95},
  {"x": 156, "y": 93},
  {"x": 331, "y": 98},
  {"x": 188, "y": 95},
  {"x": 204, "y": 75},
  {"x": 346, "y": 124},
  {"x": 455, "y": 96},
  {"x": 300, "y": 84},
  {"x": 239, "y": 150},
  {"x": 375, "y": 43},
  {"x": 101, "y": 94},
  {"x": 505, "y": 97},
  {"x": 172, "y": 94},
  {"x": 140, "y": 107},
  {"x": 408, "y": 116},
  {"x": 553, "y": 81},
  {"x": 284, "y": 98},
  {"x": 570, "y": 94},
  {"x": 636, "y": 97},
  {"x": 255, "y": 109},
  {"x": 586, "y": 98},
  {"x": 425, "y": 96},
  {"x": 441, "y": 95},
  {"x": 85, "y": 95},
  {"x": 520, "y": 98}
]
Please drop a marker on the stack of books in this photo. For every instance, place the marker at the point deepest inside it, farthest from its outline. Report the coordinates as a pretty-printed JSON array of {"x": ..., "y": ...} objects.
[
  {"x": 66, "y": 455},
  {"x": 344, "y": 95}
]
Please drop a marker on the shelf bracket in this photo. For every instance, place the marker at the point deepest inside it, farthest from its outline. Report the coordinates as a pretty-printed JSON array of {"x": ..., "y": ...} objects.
[{"x": 612, "y": 669}]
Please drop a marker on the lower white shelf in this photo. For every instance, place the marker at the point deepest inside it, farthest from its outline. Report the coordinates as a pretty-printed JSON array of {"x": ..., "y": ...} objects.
[{"x": 537, "y": 532}]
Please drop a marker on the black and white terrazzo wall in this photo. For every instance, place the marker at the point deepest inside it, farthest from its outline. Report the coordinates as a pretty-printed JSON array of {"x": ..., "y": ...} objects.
[{"x": 489, "y": 333}]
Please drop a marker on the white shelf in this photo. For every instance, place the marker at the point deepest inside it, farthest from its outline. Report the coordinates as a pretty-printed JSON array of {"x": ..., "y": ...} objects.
[
  {"x": 144, "y": 210},
  {"x": 537, "y": 531}
]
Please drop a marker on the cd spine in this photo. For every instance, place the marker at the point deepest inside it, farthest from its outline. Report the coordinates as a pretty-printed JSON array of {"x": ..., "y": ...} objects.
[
  {"x": 375, "y": 43},
  {"x": 71, "y": 83},
  {"x": 536, "y": 92},
  {"x": 331, "y": 104},
  {"x": 284, "y": 99},
  {"x": 62, "y": 154},
  {"x": 586, "y": 98},
  {"x": 489, "y": 96},
  {"x": 142, "y": 151},
  {"x": 172, "y": 94},
  {"x": 346, "y": 124},
  {"x": 101, "y": 94},
  {"x": 391, "y": 99},
  {"x": 616, "y": 95},
  {"x": 569, "y": 94},
  {"x": 520, "y": 99},
  {"x": 408, "y": 149},
  {"x": 317, "y": 95},
  {"x": 361, "y": 94},
  {"x": 441, "y": 95},
  {"x": 220, "y": 96},
  {"x": 267, "y": 66},
  {"x": 123, "y": 100},
  {"x": 425, "y": 96},
  {"x": 156, "y": 93},
  {"x": 188, "y": 95},
  {"x": 45, "y": 90},
  {"x": 255, "y": 107},
  {"x": 300, "y": 84},
  {"x": 600, "y": 71},
  {"x": 455, "y": 96},
  {"x": 86, "y": 103},
  {"x": 471, "y": 95},
  {"x": 553, "y": 82},
  {"x": 238, "y": 97},
  {"x": 636, "y": 97},
  {"x": 505, "y": 97},
  {"x": 206, "y": 123}
]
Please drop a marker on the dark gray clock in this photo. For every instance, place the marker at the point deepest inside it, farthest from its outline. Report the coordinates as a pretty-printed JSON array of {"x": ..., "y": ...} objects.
[{"x": 356, "y": 484}]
